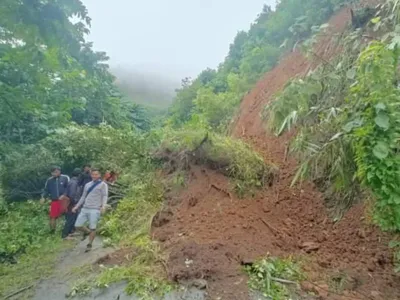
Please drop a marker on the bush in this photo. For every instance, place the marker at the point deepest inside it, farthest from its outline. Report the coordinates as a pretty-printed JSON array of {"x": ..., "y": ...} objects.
[
  {"x": 266, "y": 274},
  {"x": 27, "y": 167},
  {"x": 23, "y": 226},
  {"x": 229, "y": 156}
]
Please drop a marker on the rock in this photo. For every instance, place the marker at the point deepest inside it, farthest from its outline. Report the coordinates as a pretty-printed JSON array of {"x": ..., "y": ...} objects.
[
  {"x": 201, "y": 284},
  {"x": 193, "y": 201},
  {"x": 376, "y": 295},
  {"x": 321, "y": 238},
  {"x": 308, "y": 287},
  {"x": 322, "y": 290},
  {"x": 371, "y": 267},
  {"x": 361, "y": 233},
  {"x": 266, "y": 209},
  {"x": 323, "y": 263},
  {"x": 310, "y": 246},
  {"x": 247, "y": 261}
]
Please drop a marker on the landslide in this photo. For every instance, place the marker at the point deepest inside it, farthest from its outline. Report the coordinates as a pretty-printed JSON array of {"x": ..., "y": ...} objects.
[{"x": 208, "y": 232}]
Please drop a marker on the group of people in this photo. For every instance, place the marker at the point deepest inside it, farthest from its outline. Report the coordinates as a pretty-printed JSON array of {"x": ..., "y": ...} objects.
[{"x": 81, "y": 198}]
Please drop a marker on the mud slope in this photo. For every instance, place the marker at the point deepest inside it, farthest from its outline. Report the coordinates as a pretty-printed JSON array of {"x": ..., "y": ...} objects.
[{"x": 208, "y": 232}]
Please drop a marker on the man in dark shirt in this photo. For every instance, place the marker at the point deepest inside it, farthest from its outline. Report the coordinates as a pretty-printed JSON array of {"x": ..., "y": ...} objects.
[
  {"x": 73, "y": 192},
  {"x": 54, "y": 188},
  {"x": 85, "y": 177}
]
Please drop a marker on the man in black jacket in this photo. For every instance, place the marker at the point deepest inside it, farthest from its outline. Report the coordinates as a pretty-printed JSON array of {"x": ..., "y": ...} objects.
[
  {"x": 73, "y": 192},
  {"x": 55, "y": 186}
]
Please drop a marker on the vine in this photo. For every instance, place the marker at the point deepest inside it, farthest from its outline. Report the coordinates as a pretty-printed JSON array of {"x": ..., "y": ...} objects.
[{"x": 374, "y": 127}]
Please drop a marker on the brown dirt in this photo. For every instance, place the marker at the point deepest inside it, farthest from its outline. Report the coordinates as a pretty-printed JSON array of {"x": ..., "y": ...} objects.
[
  {"x": 118, "y": 258},
  {"x": 210, "y": 232}
]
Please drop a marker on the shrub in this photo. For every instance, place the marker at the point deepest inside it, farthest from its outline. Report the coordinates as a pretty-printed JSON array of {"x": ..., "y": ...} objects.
[
  {"x": 23, "y": 226},
  {"x": 265, "y": 276},
  {"x": 227, "y": 155},
  {"x": 27, "y": 167}
]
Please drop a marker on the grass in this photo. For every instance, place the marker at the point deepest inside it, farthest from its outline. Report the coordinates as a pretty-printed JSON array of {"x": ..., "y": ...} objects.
[
  {"x": 265, "y": 274},
  {"x": 230, "y": 156},
  {"x": 34, "y": 265}
]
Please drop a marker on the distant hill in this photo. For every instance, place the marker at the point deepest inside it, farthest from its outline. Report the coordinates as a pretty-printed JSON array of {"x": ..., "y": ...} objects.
[{"x": 145, "y": 87}]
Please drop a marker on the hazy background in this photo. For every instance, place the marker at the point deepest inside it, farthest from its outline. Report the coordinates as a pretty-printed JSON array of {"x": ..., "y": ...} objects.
[{"x": 154, "y": 44}]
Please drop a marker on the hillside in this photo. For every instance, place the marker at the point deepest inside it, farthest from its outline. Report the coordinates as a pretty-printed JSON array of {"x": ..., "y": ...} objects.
[
  {"x": 275, "y": 176},
  {"x": 219, "y": 232}
]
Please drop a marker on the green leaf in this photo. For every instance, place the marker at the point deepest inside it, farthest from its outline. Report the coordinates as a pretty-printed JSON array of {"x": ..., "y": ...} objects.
[
  {"x": 395, "y": 42},
  {"x": 375, "y": 20},
  {"x": 382, "y": 120},
  {"x": 352, "y": 124},
  {"x": 380, "y": 106},
  {"x": 381, "y": 150},
  {"x": 351, "y": 74}
]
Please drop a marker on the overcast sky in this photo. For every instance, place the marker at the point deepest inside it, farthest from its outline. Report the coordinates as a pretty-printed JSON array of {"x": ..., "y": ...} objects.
[{"x": 177, "y": 38}]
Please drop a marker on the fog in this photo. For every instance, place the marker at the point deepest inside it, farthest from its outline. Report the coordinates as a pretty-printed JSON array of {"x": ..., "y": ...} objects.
[{"x": 165, "y": 41}]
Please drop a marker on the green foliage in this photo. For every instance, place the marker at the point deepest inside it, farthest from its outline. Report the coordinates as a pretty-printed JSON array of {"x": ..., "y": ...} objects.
[
  {"x": 50, "y": 77},
  {"x": 264, "y": 276},
  {"x": 215, "y": 94},
  {"x": 27, "y": 166},
  {"x": 28, "y": 271},
  {"x": 346, "y": 112},
  {"x": 144, "y": 274},
  {"x": 25, "y": 240},
  {"x": 225, "y": 154},
  {"x": 48, "y": 74},
  {"x": 23, "y": 227},
  {"x": 314, "y": 105},
  {"x": 132, "y": 218},
  {"x": 395, "y": 245},
  {"x": 375, "y": 132}
]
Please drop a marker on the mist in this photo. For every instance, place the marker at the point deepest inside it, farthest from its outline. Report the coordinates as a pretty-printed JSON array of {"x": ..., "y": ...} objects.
[{"x": 162, "y": 42}]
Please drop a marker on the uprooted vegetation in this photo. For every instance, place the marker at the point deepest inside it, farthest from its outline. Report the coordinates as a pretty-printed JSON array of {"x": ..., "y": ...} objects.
[
  {"x": 227, "y": 155},
  {"x": 275, "y": 278}
]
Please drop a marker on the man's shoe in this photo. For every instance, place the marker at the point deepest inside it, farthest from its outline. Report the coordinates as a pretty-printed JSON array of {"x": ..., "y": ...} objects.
[{"x": 88, "y": 247}]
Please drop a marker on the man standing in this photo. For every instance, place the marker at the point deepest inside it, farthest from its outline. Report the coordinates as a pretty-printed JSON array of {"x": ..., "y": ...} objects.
[
  {"x": 73, "y": 192},
  {"x": 54, "y": 188},
  {"x": 85, "y": 177},
  {"x": 93, "y": 202}
]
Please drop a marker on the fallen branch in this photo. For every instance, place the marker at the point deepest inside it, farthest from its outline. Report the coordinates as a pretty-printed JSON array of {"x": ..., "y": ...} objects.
[
  {"x": 220, "y": 190},
  {"x": 284, "y": 281},
  {"x": 18, "y": 292},
  {"x": 274, "y": 231}
]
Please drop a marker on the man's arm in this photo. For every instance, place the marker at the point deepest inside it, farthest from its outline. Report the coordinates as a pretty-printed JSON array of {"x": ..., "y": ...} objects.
[
  {"x": 46, "y": 189},
  {"x": 80, "y": 203}
]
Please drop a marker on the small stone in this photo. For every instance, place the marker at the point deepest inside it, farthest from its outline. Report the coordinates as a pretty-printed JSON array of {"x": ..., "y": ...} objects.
[
  {"x": 310, "y": 246},
  {"x": 323, "y": 263},
  {"x": 376, "y": 295},
  {"x": 308, "y": 287},
  {"x": 247, "y": 261},
  {"x": 322, "y": 290},
  {"x": 361, "y": 234},
  {"x": 201, "y": 284},
  {"x": 371, "y": 267}
]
